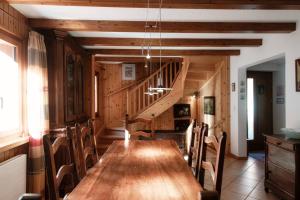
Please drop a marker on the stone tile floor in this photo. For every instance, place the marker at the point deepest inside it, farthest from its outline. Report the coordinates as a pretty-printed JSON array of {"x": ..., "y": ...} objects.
[{"x": 243, "y": 179}]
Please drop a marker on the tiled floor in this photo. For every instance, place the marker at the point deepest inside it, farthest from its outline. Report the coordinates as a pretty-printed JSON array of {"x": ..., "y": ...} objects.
[{"x": 244, "y": 180}]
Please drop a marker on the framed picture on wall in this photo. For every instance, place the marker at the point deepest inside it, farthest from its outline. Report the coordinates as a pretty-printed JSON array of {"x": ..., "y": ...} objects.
[
  {"x": 209, "y": 105},
  {"x": 128, "y": 72},
  {"x": 298, "y": 75}
]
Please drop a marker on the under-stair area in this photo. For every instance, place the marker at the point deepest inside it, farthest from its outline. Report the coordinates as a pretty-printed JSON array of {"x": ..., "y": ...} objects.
[
  {"x": 107, "y": 138},
  {"x": 185, "y": 77}
]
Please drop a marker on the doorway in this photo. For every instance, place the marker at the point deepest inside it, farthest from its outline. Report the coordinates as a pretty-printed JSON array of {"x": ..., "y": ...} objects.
[
  {"x": 260, "y": 108},
  {"x": 265, "y": 102}
]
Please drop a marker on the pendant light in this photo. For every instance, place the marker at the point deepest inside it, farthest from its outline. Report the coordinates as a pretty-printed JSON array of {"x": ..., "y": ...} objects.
[{"x": 160, "y": 88}]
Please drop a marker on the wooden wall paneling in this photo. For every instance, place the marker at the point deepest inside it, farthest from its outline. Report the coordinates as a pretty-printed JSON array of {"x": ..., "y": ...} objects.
[
  {"x": 13, "y": 21},
  {"x": 165, "y": 121},
  {"x": 116, "y": 104},
  {"x": 218, "y": 86},
  {"x": 22, "y": 149}
]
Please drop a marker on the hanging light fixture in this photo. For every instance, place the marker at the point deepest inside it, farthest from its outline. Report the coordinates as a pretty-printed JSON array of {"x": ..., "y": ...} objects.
[
  {"x": 151, "y": 91},
  {"x": 148, "y": 53},
  {"x": 160, "y": 88}
]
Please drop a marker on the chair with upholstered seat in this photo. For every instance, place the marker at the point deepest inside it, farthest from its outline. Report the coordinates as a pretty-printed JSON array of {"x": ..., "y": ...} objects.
[{"x": 67, "y": 172}]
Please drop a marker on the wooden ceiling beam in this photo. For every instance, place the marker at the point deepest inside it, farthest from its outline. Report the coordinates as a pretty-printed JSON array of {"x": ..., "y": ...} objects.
[
  {"x": 169, "y": 42},
  {"x": 174, "y": 53},
  {"x": 135, "y": 59},
  {"x": 191, "y": 4},
  {"x": 167, "y": 27}
]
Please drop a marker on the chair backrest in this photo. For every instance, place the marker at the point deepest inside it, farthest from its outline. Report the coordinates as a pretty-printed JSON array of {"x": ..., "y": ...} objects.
[
  {"x": 189, "y": 137},
  {"x": 88, "y": 145},
  {"x": 190, "y": 141},
  {"x": 56, "y": 176},
  {"x": 214, "y": 169},
  {"x": 199, "y": 133},
  {"x": 137, "y": 134}
]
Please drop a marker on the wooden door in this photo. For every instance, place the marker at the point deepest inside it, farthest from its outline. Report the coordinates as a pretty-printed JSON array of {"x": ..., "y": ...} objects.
[{"x": 263, "y": 108}]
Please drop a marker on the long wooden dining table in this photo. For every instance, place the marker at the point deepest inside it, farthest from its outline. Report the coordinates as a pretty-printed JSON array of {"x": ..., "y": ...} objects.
[{"x": 139, "y": 170}]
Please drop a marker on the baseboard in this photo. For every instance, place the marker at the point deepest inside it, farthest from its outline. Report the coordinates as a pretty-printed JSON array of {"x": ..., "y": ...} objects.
[{"x": 237, "y": 157}]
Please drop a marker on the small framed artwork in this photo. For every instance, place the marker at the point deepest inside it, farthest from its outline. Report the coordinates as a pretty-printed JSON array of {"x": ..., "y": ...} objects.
[
  {"x": 298, "y": 75},
  {"x": 128, "y": 72},
  {"x": 209, "y": 105}
]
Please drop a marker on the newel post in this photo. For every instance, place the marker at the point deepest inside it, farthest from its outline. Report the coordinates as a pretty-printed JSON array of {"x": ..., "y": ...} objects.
[{"x": 153, "y": 126}]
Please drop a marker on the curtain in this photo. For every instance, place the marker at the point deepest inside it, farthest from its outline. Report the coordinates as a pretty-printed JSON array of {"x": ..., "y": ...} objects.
[{"x": 37, "y": 110}]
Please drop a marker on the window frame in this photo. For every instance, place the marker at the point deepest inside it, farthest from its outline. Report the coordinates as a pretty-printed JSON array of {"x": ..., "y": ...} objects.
[{"x": 21, "y": 60}]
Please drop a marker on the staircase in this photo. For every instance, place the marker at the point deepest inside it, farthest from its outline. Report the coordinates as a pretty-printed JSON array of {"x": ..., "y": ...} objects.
[{"x": 140, "y": 105}]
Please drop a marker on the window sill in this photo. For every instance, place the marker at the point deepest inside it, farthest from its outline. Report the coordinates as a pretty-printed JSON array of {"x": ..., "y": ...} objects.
[{"x": 12, "y": 142}]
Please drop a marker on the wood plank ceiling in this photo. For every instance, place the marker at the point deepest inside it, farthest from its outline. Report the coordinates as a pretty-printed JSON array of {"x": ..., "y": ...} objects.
[{"x": 129, "y": 48}]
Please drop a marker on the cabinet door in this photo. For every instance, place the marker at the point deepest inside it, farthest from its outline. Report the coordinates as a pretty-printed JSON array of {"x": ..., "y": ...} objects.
[
  {"x": 80, "y": 88},
  {"x": 70, "y": 85}
]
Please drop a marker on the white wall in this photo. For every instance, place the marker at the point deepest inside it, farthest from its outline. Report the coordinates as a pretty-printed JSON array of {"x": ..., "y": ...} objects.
[{"x": 275, "y": 45}]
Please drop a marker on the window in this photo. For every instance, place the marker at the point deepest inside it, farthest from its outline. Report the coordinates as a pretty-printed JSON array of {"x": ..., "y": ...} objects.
[
  {"x": 10, "y": 90},
  {"x": 97, "y": 94},
  {"x": 250, "y": 108}
]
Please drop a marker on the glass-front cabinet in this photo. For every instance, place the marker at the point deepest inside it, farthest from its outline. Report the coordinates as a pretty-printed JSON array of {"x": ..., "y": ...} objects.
[{"x": 74, "y": 86}]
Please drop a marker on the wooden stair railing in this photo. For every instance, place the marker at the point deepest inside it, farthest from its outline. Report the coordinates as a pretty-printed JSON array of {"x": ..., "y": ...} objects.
[{"x": 137, "y": 101}]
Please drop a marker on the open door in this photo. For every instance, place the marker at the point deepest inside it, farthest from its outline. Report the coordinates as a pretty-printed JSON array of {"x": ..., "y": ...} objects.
[{"x": 259, "y": 108}]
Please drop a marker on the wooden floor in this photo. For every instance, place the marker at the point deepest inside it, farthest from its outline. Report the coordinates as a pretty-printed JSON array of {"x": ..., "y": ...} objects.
[{"x": 244, "y": 180}]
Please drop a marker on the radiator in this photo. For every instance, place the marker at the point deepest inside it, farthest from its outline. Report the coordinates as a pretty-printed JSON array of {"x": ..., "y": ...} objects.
[{"x": 13, "y": 178}]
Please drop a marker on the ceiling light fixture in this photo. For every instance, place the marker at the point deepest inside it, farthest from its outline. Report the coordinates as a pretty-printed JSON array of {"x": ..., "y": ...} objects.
[{"x": 160, "y": 88}]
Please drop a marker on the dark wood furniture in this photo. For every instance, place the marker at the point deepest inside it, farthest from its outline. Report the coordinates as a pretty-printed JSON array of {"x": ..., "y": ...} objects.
[
  {"x": 140, "y": 170},
  {"x": 282, "y": 172},
  {"x": 215, "y": 168},
  {"x": 68, "y": 68},
  {"x": 57, "y": 174},
  {"x": 88, "y": 146}
]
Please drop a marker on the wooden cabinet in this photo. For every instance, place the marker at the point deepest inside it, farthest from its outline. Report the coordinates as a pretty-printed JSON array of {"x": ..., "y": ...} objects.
[
  {"x": 73, "y": 81},
  {"x": 67, "y": 65},
  {"x": 282, "y": 173}
]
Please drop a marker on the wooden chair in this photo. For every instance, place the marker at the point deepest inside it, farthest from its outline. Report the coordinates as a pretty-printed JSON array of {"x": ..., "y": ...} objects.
[
  {"x": 66, "y": 171},
  {"x": 140, "y": 134},
  {"x": 189, "y": 142},
  {"x": 216, "y": 169},
  {"x": 199, "y": 132},
  {"x": 88, "y": 146}
]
